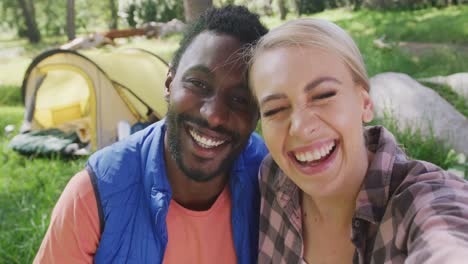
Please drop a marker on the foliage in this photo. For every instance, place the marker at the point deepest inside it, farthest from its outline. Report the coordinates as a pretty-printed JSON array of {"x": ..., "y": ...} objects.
[
  {"x": 311, "y": 6},
  {"x": 51, "y": 16},
  {"x": 142, "y": 11}
]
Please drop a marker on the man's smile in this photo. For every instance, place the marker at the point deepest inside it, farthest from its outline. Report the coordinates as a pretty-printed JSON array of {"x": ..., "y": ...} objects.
[{"x": 205, "y": 141}]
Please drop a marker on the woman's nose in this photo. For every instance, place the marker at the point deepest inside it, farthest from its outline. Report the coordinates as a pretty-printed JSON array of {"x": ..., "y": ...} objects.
[{"x": 303, "y": 123}]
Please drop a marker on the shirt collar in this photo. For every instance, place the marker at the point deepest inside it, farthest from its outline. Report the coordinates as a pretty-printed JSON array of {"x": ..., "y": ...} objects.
[
  {"x": 287, "y": 196},
  {"x": 375, "y": 190}
]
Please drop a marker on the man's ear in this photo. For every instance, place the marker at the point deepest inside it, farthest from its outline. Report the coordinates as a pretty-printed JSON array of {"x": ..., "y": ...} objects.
[
  {"x": 168, "y": 84},
  {"x": 368, "y": 107}
]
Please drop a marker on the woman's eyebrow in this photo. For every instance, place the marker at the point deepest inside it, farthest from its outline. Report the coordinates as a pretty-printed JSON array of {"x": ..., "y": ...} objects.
[
  {"x": 310, "y": 86},
  {"x": 272, "y": 97}
]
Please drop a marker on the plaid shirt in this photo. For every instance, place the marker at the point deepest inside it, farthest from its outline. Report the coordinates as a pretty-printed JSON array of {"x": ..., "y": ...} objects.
[{"x": 406, "y": 211}]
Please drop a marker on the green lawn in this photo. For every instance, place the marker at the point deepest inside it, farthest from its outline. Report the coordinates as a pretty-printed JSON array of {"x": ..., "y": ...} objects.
[{"x": 29, "y": 187}]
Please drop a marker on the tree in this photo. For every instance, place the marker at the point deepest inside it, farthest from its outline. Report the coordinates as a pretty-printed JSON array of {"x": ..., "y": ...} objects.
[
  {"x": 29, "y": 14},
  {"x": 282, "y": 9},
  {"x": 71, "y": 19},
  {"x": 357, "y": 4},
  {"x": 193, "y": 8},
  {"x": 114, "y": 17}
]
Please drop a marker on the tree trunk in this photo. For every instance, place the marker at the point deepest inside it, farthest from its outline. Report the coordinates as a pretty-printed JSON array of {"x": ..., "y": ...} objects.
[
  {"x": 114, "y": 17},
  {"x": 70, "y": 19},
  {"x": 282, "y": 8},
  {"x": 194, "y": 8},
  {"x": 357, "y": 5},
  {"x": 29, "y": 14}
]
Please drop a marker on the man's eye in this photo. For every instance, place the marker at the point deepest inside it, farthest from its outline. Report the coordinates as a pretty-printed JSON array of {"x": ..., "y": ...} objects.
[
  {"x": 272, "y": 112},
  {"x": 198, "y": 84},
  {"x": 324, "y": 95},
  {"x": 240, "y": 100}
]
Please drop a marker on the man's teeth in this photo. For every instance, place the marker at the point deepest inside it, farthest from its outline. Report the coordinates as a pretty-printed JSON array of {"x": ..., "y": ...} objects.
[
  {"x": 205, "y": 142},
  {"x": 315, "y": 154}
]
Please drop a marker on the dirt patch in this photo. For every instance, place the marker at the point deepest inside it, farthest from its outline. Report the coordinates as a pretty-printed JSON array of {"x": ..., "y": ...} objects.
[{"x": 418, "y": 48}]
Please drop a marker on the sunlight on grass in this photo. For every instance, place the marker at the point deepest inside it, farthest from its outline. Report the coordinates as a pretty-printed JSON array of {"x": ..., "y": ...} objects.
[
  {"x": 12, "y": 70},
  {"x": 336, "y": 14}
]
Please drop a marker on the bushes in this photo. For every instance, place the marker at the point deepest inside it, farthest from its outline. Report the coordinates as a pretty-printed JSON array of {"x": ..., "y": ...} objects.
[{"x": 144, "y": 11}]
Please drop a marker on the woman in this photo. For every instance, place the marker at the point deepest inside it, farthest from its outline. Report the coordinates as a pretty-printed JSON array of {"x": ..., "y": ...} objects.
[{"x": 332, "y": 190}]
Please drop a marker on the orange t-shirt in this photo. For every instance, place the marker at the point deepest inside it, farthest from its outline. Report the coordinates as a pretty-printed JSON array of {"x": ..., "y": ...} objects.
[
  {"x": 193, "y": 236},
  {"x": 200, "y": 236}
]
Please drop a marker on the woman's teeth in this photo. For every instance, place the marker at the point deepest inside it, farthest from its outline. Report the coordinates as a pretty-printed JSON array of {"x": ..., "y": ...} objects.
[
  {"x": 205, "y": 142},
  {"x": 315, "y": 154}
]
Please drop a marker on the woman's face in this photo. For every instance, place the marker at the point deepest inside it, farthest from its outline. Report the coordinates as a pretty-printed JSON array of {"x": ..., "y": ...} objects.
[{"x": 311, "y": 113}]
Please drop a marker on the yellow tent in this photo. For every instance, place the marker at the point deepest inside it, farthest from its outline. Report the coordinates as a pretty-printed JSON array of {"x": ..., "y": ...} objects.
[{"x": 91, "y": 92}]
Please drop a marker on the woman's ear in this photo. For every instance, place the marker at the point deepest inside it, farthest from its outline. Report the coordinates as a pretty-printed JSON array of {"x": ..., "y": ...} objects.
[
  {"x": 368, "y": 107},
  {"x": 168, "y": 84}
]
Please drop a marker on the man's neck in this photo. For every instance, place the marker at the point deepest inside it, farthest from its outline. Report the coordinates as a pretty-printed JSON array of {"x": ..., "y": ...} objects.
[{"x": 193, "y": 195}]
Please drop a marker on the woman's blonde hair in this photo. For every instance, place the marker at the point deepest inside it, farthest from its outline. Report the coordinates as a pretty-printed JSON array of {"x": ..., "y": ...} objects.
[{"x": 317, "y": 33}]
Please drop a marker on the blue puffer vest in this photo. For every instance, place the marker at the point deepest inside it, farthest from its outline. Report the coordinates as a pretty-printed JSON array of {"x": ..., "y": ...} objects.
[{"x": 131, "y": 185}]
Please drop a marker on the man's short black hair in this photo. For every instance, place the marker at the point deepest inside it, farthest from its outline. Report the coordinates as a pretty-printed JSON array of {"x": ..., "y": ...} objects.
[{"x": 236, "y": 21}]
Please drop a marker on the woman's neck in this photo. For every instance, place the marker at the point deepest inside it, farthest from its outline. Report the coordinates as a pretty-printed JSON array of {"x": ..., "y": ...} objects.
[{"x": 334, "y": 211}]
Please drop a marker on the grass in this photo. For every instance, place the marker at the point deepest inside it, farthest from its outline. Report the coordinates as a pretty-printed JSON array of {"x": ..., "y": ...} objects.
[
  {"x": 10, "y": 95},
  {"x": 446, "y": 25},
  {"x": 28, "y": 190},
  {"x": 29, "y": 187},
  {"x": 419, "y": 146}
]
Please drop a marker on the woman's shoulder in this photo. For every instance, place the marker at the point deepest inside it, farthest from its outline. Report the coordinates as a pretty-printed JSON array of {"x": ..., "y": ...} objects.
[
  {"x": 270, "y": 175},
  {"x": 425, "y": 185}
]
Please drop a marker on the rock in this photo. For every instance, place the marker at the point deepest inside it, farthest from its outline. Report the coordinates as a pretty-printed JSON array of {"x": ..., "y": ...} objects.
[
  {"x": 458, "y": 82},
  {"x": 416, "y": 106}
]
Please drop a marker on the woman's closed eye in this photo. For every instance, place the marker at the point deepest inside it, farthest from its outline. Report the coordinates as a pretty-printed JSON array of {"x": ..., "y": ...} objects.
[
  {"x": 324, "y": 95},
  {"x": 274, "y": 111}
]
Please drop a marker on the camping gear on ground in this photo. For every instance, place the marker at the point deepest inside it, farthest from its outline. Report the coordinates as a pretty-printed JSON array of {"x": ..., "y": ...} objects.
[
  {"x": 49, "y": 141},
  {"x": 89, "y": 93}
]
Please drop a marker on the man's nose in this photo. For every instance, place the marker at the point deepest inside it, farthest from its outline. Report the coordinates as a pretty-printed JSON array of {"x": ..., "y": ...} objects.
[{"x": 215, "y": 111}]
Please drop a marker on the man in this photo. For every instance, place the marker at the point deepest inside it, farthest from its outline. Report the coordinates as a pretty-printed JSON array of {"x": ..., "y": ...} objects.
[{"x": 185, "y": 189}]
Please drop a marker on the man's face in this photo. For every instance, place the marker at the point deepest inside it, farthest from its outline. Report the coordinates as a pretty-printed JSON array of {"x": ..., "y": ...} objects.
[{"x": 211, "y": 110}]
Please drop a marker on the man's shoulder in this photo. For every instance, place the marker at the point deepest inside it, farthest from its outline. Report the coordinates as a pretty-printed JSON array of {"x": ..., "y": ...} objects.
[
  {"x": 127, "y": 155},
  {"x": 255, "y": 150}
]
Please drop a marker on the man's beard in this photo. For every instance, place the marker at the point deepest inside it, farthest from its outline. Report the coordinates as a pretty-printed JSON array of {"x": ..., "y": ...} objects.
[{"x": 174, "y": 124}]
